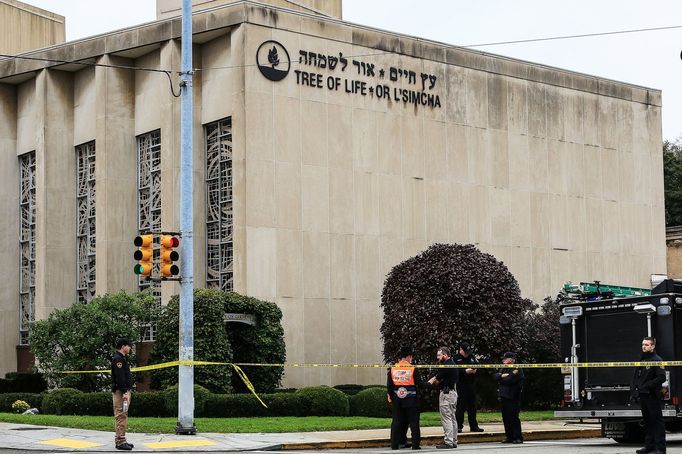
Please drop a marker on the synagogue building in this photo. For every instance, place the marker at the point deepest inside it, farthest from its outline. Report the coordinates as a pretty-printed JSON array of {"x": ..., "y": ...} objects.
[{"x": 325, "y": 153}]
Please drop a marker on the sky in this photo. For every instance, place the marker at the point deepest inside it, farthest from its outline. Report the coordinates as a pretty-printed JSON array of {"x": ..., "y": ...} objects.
[{"x": 650, "y": 59}]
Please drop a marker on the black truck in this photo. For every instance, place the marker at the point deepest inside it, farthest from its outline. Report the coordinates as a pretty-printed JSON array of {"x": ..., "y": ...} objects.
[{"x": 606, "y": 323}]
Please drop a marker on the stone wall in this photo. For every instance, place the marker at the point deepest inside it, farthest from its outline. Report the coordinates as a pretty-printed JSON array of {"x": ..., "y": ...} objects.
[
  {"x": 24, "y": 27},
  {"x": 557, "y": 174}
]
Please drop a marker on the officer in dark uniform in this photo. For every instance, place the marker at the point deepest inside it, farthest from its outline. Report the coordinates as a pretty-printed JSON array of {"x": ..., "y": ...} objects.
[
  {"x": 646, "y": 385},
  {"x": 510, "y": 386},
  {"x": 401, "y": 387},
  {"x": 466, "y": 389},
  {"x": 121, "y": 384}
]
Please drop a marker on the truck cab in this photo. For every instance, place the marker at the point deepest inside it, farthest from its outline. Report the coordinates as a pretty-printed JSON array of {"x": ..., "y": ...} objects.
[{"x": 606, "y": 324}]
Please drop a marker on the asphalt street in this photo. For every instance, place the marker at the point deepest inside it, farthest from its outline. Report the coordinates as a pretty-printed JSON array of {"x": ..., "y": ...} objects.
[{"x": 579, "y": 446}]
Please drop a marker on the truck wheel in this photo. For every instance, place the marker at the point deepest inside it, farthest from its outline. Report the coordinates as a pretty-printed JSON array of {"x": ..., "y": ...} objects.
[{"x": 634, "y": 433}]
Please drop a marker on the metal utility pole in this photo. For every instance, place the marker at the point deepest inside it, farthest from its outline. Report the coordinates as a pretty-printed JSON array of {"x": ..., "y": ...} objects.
[{"x": 186, "y": 373}]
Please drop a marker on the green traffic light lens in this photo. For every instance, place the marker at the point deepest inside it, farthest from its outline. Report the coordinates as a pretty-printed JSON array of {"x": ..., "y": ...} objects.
[{"x": 137, "y": 269}]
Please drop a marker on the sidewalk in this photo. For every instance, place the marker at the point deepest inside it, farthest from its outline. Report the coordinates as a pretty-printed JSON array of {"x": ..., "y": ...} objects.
[{"x": 57, "y": 439}]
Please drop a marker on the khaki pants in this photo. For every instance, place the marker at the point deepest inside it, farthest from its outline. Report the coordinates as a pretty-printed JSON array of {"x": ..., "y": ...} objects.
[
  {"x": 446, "y": 405},
  {"x": 120, "y": 418}
]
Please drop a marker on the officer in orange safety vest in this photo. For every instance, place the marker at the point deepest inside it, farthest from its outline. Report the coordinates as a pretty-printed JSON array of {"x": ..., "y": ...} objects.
[{"x": 402, "y": 386}]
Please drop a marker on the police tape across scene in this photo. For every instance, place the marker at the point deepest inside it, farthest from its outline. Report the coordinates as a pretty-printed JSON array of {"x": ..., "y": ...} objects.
[{"x": 384, "y": 366}]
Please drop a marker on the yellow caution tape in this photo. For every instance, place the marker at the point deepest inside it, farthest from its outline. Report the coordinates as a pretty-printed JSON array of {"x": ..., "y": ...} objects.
[
  {"x": 247, "y": 382},
  {"x": 251, "y": 388},
  {"x": 168, "y": 364},
  {"x": 479, "y": 366},
  {"x": 238, "y": 366}
]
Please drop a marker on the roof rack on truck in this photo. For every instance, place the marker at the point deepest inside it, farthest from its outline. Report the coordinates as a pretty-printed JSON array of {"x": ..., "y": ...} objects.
[{"x": 595, "y": 291}]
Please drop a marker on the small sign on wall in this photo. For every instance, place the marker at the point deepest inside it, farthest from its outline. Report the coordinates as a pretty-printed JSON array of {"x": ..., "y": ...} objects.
[{"x": 248, "y": 319}]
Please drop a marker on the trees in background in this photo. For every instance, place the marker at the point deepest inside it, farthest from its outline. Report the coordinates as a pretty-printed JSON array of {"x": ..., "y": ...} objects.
[
  {"x": 672, "y": 180},
  {"x": 83, "y": 337}
]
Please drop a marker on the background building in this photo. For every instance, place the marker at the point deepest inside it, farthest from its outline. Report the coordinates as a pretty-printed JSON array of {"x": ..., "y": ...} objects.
[
  {"x": 325, "y": 153},
  {"x": 330, "y": 8},
  {"x": 24, "y": 27}
]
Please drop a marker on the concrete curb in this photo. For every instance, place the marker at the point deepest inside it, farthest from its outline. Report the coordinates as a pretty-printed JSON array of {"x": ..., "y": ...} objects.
[{"x": 430, "y": 440}]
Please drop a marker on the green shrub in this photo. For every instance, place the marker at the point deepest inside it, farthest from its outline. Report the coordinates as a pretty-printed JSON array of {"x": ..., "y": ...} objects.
[
  {"x": 95, "y": 404},
  {"x": 234, "y": 406},
  {"x": 370, "y": 402},
  {"x": 64, "y": 401},
  {"x": 319, "y": 401},
  {"x": 323, "y": 401},
  {"x": 286, "y": 390},
  {"x": 6, "y": 400},
  {"x": 349, "y": 389},
  {"x": 216, "y": 341},
  {"x": 15, "y": 382},
  {"x": 263, "y": 343},
  {"x": 65, "y": 340},
  {"x": 170, "y": 399},
  {"x": 246, "y": 405},
  {"x": 284, "y": 404},
  {"x": 152, "y": 404}
]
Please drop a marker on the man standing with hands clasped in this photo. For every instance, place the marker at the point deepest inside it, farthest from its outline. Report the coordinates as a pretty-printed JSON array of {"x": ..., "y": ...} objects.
[
  {"x": 509, "y": 386},
  {"x": 646, "y": 385},
  {"x": 446, "y": 378},
  {"x": 121, "y": 383}
]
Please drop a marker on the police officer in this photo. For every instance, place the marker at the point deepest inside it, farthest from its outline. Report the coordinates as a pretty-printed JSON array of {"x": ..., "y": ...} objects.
[
  {"x": 121, "y": 384},
  {"x": 446, "y": 378},
  {"x": 646, "y": 385},
  {"x": 466, "y": 389},
  {"x": 401, "y": 387},
  {"x": 509, "y": 387}
]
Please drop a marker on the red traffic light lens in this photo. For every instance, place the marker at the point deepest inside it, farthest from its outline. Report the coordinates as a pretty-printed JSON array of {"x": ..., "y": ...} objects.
[{"x": 169, "y": 241}]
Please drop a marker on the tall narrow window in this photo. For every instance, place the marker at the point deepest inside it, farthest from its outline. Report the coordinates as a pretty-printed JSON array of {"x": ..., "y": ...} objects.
[
  {"x": 219, "y": 224},
  {"x": 149, "y": 204},
  {"x": 85, "y": 233},
  {"x": 27, "y": 243}
]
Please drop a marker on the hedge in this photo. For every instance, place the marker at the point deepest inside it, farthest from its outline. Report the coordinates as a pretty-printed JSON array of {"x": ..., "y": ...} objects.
[
  {"x": 170, "y": 399},
  {"x": 215, "y": 341},
  {"x": 370, "y": 402},
  {"x": 318, "y": 401},
  {"x": 324, "y": 401},
  {"x": 350, "y": 389},
  {"x": 22, "y": 383},
  {"x": 7, "y": 399},
  {"x": 246, "y": 405}
]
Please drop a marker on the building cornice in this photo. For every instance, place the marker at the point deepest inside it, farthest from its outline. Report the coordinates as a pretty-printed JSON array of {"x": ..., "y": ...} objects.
[{"x": 15, "y": 70}]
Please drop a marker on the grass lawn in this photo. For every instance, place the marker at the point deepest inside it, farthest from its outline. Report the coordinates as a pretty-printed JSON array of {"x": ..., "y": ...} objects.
[{"x": 246, "y": 425}]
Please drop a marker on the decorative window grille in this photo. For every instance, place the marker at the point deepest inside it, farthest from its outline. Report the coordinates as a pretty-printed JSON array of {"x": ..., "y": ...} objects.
[
  {"x": 27, "y": 242},
  {"x": 149, "y": 205},
  {"x": 219, "y": 223},
  {"x": 85, "y": 234}
]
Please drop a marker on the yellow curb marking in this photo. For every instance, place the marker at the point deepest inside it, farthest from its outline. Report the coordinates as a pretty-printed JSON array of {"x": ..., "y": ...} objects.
[
  {"x": 68, "y": 443},
  {"x": 180, "y": 444}
]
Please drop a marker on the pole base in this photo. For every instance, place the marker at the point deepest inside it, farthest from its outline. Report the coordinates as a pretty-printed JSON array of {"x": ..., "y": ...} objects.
[{"x": 179, "y": 430}]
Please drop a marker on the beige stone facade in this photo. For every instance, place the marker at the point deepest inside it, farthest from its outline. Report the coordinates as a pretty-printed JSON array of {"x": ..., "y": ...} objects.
[
  {"x": 24, "y": 27},
  {"x": 557, "y": 174},
  {"x": 333, "y": 8}
]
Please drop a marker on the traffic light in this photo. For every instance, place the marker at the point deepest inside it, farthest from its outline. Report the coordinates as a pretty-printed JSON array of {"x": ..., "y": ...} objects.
[
  {"x": 169, "y": 255},
  {"x": 144, "y": 254}
]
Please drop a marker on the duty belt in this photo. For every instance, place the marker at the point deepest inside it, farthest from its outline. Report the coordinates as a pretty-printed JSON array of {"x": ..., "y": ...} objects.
[{"x": 402, "y": 393}]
